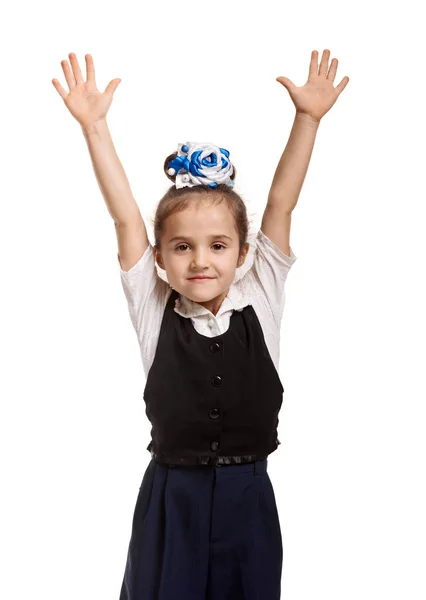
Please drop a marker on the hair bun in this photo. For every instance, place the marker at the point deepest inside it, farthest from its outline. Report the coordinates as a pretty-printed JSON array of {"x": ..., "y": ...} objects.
[
  {"x": 166, "y": 166},
  {"x": 195, "y": 164}
]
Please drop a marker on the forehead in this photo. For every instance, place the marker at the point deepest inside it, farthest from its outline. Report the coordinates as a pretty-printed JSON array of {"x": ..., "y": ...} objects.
[{"x": 202, "y": 218}]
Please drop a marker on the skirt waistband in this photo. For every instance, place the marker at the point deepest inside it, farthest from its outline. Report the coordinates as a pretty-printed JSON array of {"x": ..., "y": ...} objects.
[{"x": 256, "y": 467}]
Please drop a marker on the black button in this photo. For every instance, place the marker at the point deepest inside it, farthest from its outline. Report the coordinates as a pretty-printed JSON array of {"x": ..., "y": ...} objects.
[
  {"x": 214, "y": 446},
  {"x": 215, "y": 347},
  {"x": 216, "y": 380},
  {"x": 214, "y": 413}
]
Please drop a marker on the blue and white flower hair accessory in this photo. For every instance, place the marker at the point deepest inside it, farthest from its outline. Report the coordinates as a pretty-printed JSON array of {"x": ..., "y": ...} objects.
[{"x": 201, "y": 164}]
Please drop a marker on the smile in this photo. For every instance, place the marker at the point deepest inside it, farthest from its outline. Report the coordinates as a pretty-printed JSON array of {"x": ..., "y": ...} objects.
[{"x": 199, "y": 279}]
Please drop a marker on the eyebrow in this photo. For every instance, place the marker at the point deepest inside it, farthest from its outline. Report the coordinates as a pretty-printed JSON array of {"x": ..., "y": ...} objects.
[{"x": 188, "y": 238}]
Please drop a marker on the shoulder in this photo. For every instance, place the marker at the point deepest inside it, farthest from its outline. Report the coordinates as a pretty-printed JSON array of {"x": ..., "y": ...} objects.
[
  {"x": 262, "y": 278},
  {"x": 266, "y": 247},
  {"x": 147, "y": 294}
]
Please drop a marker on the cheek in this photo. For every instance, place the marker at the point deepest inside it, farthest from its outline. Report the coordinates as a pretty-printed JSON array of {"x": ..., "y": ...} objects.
[
  {"x": 177, "y": 264},
  {"x": 227, "y": 267}
]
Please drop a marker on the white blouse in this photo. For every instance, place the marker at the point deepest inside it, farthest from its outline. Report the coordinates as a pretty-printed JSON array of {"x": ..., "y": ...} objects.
[{"x": 259, "y": 282}]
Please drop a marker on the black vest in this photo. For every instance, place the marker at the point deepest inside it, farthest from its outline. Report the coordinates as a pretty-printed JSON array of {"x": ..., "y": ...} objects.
[{"x": 212, "y": 400}]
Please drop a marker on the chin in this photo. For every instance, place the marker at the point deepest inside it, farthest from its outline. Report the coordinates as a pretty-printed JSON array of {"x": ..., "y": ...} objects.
[
  {"x": 201, "y": 292},
  {"x": 201, "y": 296}
]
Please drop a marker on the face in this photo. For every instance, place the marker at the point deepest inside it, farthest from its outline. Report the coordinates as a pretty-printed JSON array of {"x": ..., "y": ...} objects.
[{"x": 201, "y": 240}]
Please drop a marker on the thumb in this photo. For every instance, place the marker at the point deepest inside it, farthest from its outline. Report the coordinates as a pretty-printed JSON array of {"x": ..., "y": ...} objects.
[
  {"x": 289, "y": 85},
  {"x": 112, "y": 86}
]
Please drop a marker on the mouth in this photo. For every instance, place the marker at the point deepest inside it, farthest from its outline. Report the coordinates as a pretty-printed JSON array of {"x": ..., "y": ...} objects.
[{"x": 200, "y": 278}]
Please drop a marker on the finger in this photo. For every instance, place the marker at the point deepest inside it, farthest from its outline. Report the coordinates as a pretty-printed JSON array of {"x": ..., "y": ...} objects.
[
  {"x": 63, "y": 93},
  {"x": 324, "y": 63},
  {"x": 90, "y": 68},
  {"x": 331, "y": 75},
  {"x": 339, "y": 89},
  {"x": 68, "y": 74},
  {"x": 289, "y": 85},
  {"x": 313, "y": 66},
  {"x": 112, "y": 86},
  {"x": 76, "y": 68}
]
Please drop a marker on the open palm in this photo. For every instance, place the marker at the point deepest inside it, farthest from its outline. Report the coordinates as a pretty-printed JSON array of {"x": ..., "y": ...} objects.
[
  {"x": 84, "y": 101},
  {"x": 318, "y": 95}
]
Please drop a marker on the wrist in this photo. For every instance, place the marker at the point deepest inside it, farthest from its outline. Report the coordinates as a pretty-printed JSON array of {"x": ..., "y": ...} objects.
[
  {"x": 94, "y": 127},
  {"x": 305, "y": 117}
]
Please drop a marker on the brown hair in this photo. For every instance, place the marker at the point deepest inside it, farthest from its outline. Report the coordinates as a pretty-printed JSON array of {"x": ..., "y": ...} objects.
[{"x": 175, "y": 200}]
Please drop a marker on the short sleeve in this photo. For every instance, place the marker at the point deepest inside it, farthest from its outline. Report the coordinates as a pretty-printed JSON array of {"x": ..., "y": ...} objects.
[
  {"x": 270, "y": 269},
  {"x": 146, "y": 293}
]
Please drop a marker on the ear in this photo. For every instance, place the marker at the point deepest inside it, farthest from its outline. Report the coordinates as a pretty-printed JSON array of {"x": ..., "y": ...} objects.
[
  {"x": 243, "y": 255},
  {"x": 158, "y": 258}
]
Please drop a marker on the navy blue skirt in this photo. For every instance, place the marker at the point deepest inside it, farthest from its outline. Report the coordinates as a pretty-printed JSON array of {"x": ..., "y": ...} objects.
[{"x": 204, "y": 533}]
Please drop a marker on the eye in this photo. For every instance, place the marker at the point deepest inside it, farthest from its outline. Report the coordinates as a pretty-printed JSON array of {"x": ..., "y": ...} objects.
[{"x": 186, "y": 245}]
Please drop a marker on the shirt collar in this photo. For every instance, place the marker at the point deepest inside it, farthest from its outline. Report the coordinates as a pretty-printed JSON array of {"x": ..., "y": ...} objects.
[{"x": 187, "y": 308}]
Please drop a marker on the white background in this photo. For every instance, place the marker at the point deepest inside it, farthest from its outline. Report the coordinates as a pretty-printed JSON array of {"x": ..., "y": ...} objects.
[{"x": 349, "y": 475}]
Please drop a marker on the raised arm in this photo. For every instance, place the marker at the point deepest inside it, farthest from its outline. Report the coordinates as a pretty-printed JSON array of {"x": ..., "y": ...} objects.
[
  {"x": 312, "y": 101},
  {"x": 89, "y": 107},
  {"x": 132, "y": 238}
]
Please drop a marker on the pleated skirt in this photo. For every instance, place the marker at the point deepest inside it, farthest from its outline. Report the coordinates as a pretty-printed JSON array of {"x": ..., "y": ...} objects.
[{"x": 204, "y": 533}]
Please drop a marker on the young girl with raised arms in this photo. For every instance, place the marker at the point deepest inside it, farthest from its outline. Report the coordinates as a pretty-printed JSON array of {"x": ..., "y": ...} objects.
[{"x": 205, "y": 524}]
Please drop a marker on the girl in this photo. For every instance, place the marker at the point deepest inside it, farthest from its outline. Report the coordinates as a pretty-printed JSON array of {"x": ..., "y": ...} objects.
[{"x": 205, "y": 524}]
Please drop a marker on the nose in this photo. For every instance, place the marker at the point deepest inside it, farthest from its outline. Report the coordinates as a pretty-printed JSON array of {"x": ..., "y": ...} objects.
[{"x": 199, "y": 259}]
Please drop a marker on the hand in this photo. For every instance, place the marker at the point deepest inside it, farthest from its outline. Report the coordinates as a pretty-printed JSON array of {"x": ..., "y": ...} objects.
[
  {"x": 84, "y": 101},
  {"x": 318, "y": 95}
]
